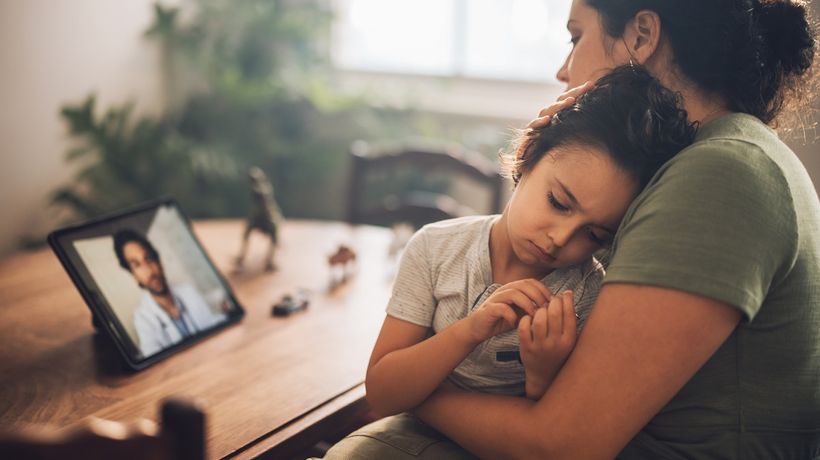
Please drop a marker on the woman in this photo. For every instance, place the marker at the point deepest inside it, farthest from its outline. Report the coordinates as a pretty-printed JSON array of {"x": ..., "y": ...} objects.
[{"x": 705, "y": 339}]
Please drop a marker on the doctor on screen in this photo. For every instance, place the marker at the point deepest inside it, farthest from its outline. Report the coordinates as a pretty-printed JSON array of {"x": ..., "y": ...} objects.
[{"x": 166, "y": 314}]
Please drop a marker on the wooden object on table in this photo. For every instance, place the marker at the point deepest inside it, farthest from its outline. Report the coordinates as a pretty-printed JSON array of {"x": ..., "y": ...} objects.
[
  {"x": 270, "y": 386},
  {"x": 182, "y": 437}
]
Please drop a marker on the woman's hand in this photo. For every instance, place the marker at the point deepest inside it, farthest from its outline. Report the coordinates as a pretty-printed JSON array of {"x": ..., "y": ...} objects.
[
  {"x": 502, "y": 310},
  {"x": 546, "y": 341},
  {"x": 564, "y": 100}
]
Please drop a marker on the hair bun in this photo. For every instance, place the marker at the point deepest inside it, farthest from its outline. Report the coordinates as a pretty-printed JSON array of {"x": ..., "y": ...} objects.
[{"x": 784, "y": 26}]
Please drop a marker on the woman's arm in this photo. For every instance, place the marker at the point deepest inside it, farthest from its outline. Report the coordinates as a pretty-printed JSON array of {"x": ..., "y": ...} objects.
[{"x": 640, "y": 345}]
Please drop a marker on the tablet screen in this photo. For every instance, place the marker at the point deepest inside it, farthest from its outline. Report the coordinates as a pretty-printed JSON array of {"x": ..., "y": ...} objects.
[{"x": 147, "y": 279}]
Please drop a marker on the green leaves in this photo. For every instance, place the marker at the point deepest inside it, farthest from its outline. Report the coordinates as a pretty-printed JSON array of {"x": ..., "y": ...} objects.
[{"x": 119, "y": 160}]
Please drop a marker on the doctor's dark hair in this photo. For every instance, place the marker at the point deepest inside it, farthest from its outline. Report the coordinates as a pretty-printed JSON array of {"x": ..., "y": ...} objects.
[
  {"x": 757, "y": 54},
  {"x": 123, "y": 237},
  {"x": 629, "y": 114}
]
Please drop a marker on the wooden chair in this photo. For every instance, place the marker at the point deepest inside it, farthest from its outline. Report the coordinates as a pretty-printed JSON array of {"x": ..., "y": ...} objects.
[
  {"x": 181, "y": 437},
  {"x": 417, "y": 207}
]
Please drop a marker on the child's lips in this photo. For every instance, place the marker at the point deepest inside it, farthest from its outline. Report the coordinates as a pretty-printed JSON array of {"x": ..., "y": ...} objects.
[{"x": 543, "y": 254}]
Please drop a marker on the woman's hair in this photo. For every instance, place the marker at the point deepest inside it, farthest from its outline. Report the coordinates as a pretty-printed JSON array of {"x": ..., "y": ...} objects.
[
  {"x": 629, "y": 114},
  {"x": 755, "y": 53}
]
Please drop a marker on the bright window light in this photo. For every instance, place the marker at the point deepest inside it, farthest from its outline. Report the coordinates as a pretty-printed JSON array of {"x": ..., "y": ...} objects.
[{"x": 497, "y": 39}]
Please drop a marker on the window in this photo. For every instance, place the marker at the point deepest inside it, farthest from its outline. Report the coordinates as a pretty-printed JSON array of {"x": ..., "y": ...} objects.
[{"x": 493, "y": 39}]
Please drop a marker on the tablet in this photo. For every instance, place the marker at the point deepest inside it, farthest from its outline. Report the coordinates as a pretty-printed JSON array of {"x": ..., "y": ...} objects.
[{"x": 148, "y": 282}]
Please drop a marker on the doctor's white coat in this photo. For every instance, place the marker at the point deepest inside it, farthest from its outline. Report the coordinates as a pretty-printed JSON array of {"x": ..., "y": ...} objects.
[{"x": 156, "y": 330}]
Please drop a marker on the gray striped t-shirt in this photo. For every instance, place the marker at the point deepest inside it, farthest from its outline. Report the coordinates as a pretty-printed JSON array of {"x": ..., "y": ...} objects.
[{"x": 445, "y": 273}]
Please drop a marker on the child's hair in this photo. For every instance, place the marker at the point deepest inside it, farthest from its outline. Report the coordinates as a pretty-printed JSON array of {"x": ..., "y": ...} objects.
[{"x": 628, "y": 113}]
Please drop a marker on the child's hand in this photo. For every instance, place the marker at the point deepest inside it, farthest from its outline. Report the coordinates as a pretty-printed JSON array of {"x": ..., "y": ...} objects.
[
  {"x": 546, "y": 339},
  {"x": 503, "y": 309}
]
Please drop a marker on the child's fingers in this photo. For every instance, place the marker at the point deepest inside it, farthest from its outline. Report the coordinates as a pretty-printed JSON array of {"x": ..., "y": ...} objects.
[
  {"x": 516, "y": 298},
  {"x": 525, "y": 331},
  {"x": 534, "y": 289},
  {"x": 510, "y": 318},
  {"x": 503, "y": 313},
  {"x": 499, "y": 309},
  {"x": 570, "y": 320},
  {"x": 540, "y": 324},
  {"x": 555, "y": 314}
]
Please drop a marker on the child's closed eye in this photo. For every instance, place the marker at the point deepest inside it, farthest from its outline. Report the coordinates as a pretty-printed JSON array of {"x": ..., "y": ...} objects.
[
  {"x": 599, "y": 239},
  {"x": 556, "y": 204}
]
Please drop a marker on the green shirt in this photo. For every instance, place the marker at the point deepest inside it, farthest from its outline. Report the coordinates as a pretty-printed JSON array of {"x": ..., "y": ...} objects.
[{"x": 735, "y": 217}]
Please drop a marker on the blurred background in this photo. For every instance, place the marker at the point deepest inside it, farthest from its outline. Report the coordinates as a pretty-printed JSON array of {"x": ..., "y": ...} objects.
[{"x": 106, "y": 104}]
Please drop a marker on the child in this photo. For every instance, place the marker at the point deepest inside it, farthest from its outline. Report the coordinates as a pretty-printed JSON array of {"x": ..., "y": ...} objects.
[{"x": 464, "y": 285}]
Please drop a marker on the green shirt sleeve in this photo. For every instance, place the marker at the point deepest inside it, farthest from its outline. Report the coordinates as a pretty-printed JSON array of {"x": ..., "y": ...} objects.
[{"x": 716, "y": 221}]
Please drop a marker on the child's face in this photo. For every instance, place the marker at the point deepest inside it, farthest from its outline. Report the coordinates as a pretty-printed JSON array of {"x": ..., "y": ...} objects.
[{"x": 567, "y": 207}]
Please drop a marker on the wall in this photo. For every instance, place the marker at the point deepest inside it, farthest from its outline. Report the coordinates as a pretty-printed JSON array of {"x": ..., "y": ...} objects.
[{"x": 54, "y": 53}]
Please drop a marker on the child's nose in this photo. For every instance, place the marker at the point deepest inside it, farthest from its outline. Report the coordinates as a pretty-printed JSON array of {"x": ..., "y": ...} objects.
[{"x": 561, "y": 236}]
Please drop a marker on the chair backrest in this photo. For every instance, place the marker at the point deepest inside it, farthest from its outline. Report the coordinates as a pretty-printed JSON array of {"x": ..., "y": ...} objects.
[
  {"x": 417, "y": 207},
  {"x": 181, "y": 437}
]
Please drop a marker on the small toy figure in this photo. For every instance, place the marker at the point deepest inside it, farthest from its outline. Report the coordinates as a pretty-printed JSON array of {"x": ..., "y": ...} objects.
[
  {"x": 289, "y": 304},
  {"x": 342, "y": 261},
  {"x": 265, "y": 216}
]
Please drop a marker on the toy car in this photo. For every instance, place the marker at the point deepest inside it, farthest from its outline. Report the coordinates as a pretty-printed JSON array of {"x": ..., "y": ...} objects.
[{"x": 289, "y": 304}]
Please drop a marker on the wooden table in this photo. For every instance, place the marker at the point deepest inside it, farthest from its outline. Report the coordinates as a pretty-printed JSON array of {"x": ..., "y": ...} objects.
[{"x": 269, "y": 385}]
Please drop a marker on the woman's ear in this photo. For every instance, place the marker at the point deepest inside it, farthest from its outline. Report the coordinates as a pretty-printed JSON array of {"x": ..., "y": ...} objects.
[{"x": 642, "y": 36}]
